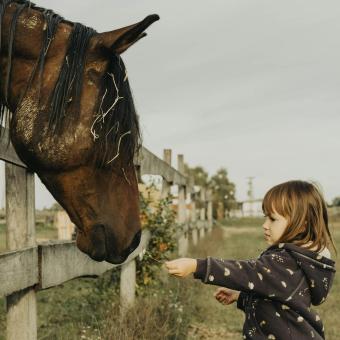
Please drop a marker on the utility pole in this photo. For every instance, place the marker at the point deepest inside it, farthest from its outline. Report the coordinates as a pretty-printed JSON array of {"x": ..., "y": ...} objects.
[{"x": 250, "y": 195}]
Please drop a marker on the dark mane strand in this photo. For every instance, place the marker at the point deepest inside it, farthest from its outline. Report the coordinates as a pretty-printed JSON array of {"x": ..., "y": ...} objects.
[
  {"x": 52, "y": 21},
  {"x": 118, "y": 132},
  {"x": 69, "y": 84}
]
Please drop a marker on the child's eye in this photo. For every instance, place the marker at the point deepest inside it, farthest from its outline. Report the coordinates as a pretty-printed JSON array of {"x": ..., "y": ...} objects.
[{"x": 271, "y": 218}]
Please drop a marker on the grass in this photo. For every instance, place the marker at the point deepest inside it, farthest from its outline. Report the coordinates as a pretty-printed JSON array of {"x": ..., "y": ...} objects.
[
  {"x": 176, "y": 309},
  {"x": 243, "y": 222},
  {"x": 44, "y": 232}
]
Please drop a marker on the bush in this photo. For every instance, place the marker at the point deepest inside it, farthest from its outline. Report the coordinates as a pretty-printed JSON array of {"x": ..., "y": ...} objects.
[{"x": 160, "y": 220}]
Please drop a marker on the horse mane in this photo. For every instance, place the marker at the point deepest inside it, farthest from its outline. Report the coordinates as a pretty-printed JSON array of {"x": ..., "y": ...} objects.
[{"x": 115, "y": 128}]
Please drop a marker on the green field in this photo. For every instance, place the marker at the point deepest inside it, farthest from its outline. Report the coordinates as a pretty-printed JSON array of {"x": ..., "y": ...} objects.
[
  {"x": 44, "y": 232},
  {"x": 176, "y": 309}
]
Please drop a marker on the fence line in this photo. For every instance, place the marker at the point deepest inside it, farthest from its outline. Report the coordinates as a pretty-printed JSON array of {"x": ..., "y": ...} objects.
[{"x": 28, "y": 267}]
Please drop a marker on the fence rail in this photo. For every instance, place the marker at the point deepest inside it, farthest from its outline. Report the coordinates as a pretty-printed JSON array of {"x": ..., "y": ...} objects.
[{"x": 27, "y": 267}]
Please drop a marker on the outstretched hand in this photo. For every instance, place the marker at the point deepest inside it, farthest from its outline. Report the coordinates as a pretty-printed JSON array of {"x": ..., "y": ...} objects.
[
  {"x": 226, "y": 296},
  {"x": 181, "y": 267}
]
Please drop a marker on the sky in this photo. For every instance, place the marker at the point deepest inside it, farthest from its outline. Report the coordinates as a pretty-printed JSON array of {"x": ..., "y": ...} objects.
[{"x": 252, "y": 86}]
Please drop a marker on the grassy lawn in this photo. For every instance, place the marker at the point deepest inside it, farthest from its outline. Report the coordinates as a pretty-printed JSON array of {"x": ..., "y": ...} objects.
[
  {"x": 44, "y": 232},
  {"x": 177, "y": 309}
]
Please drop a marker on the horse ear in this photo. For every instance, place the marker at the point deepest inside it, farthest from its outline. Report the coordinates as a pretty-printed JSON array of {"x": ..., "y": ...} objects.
[{"x": 121, "y": 39}]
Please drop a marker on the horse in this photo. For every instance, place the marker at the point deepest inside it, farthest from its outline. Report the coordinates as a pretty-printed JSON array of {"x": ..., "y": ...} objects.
[{"x": 65, "y": 92}]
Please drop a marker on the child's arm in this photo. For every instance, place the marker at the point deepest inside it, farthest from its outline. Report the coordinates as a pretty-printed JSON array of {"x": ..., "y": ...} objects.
[{"x": 272, "y": 275}]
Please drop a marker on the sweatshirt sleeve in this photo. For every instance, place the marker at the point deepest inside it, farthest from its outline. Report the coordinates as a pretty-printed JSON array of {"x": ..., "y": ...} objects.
[
  {"x": 271, "y": 275},
  {"x": 242, "y": 301}
]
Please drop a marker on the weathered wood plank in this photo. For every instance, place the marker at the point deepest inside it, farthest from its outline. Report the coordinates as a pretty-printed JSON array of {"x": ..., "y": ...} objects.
[
  {"x": 21, "y": 306},
  {"x": 150, "y": 164},
  {"x": 128, "y": 284},
  {"x": 61, "y": 261},
  {"x": 18, "y": 270},
  {"x": 166, "y": 187},
  {"x": 181, "y": 211},
  {"x": 7, "y": 152}
]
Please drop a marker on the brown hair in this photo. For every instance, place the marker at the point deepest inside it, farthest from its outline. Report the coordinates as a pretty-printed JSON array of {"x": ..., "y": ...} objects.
[{"x": 302, "y": 204}]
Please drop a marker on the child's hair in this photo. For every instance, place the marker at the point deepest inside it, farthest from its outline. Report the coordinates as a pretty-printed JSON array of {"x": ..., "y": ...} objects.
[{"x": 302, "y": 204}]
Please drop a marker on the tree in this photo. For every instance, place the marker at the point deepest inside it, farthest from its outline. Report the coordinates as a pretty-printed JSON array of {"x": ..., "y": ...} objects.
[
  {"x": 199, "y": 175},
  {"x": 223, "y": 192},
  {"x": 336, "y": 202},
  {"x": 55, "y": 207},
  {"x": 200, "y": 178}
]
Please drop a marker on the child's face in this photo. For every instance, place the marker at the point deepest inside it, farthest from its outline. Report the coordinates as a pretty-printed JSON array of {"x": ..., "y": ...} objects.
[{"x": 274, "y": 226}]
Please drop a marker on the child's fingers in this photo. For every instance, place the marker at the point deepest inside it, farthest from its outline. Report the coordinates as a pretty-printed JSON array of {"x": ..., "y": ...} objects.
[
  {"x": 221, "y": 291},
  {"x": 175, "y": 272},
  {"x": 169, "y": 264},
  {"x": 219, "y": 296},
  {"x": 222, "y": 294}
]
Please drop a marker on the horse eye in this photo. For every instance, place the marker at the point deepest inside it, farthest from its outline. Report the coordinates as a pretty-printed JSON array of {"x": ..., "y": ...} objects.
[{"x": 93, "y": 74}]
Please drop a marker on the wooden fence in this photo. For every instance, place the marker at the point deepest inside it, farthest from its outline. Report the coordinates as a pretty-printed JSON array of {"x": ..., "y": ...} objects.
[{"x": 27, "y": 267}]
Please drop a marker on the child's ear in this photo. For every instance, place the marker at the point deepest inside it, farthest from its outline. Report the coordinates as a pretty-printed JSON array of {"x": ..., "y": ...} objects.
[{"x": 121, "y": 39}]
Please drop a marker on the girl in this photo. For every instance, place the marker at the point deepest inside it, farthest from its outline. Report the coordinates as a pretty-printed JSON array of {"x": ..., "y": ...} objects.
[{"x": 277, "y": 289}]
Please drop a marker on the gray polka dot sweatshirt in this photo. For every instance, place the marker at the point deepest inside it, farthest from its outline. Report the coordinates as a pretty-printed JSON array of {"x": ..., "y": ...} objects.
[{"x": 277, "y": 290}]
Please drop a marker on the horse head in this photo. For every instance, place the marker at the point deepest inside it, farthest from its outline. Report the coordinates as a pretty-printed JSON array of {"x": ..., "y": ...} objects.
[{"x": 73, "y": 120}]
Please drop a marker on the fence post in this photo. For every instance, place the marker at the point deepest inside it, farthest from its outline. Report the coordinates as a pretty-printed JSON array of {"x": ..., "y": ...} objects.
[
  {"x": 193, "y": 219},
  {"x": 182, "y": 240},
  {"x": 209, "y": 210},
  {"x": 128, "y": 285},
  {"x": 20, "y": 223},
  {"x": 165, "y": 185},
  {"x": 202, "y": 212}
]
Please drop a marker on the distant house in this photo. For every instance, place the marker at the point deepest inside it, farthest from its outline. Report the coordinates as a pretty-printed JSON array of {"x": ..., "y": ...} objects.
[
  {"x": 248, "y": 208},
  {"x": 252, "y": 207}
]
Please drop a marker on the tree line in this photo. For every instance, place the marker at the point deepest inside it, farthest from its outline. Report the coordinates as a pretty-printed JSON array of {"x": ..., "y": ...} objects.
[{"x": 223, "y": 190}]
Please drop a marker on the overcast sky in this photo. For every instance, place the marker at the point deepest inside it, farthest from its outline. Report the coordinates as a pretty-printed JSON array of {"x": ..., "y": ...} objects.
[{"x": 253, "y": 86}]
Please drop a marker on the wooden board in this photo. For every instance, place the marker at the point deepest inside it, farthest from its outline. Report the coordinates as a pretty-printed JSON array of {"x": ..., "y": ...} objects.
[
  {"x": 61, "y": 261},
  {"x": 150, "y": 164},
  {"x": 18, "y": 270}
]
